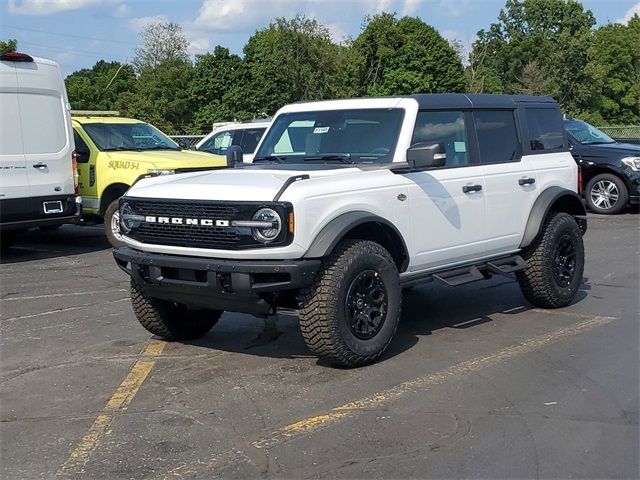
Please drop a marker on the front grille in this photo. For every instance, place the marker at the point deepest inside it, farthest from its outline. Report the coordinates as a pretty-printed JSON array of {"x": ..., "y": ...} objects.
[{"x": 198, "y": 236}]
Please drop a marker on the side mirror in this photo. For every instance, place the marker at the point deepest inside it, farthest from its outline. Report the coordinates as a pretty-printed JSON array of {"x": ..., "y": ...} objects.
[
  {"x": 183, "y": 143},
  {"x": 234, "y": 155},
  {"x": 425, "y": 155}
]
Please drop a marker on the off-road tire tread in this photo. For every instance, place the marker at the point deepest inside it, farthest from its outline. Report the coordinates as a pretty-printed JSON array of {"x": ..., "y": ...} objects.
[
  {"x": 534, "y": 280},
  {"x": 156, "y": 316},
  {"x": 319, "y": 301}
]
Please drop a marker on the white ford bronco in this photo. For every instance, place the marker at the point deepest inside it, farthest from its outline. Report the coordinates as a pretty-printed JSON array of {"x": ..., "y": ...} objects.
[{"x": 347, "y": 203}]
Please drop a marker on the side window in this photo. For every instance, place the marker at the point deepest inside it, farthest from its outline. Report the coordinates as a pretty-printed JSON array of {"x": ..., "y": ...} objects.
[
  {"x": 81, "y": 148},
  {"x": 250, "y": 139},
  {"x": 497, "y": 136},
  {"x": 446, "y": 128},
  {"x": 545, "y": 128},
  {"x": 219, "y": 143}
]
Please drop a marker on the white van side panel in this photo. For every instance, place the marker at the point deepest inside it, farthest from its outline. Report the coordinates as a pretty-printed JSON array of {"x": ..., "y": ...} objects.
[
  {"x": 46, "y": 128},
  {"x": 13, "y": 167}
]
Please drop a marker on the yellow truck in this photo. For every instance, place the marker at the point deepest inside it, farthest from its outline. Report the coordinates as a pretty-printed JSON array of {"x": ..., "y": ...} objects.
[{"x": 112, "y": 152}]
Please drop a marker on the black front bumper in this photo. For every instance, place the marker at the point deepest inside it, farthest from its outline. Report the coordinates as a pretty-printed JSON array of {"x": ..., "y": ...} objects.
[{"x": 246, "y": 286}]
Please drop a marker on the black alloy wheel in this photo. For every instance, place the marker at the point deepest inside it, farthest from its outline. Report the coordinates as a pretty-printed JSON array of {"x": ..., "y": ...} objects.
[
  {"x": 366, "y": 305},
  {"x": 564, "y": 256}
]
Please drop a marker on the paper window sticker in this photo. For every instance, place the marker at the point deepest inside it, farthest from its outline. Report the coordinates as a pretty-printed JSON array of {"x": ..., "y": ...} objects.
[{"x": 460, "y": 147}]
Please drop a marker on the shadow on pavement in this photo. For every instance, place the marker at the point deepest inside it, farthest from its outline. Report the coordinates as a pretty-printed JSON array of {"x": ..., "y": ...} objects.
[
  {"x": 68, "y": 240},
  {"x": 425, "y": 309}
]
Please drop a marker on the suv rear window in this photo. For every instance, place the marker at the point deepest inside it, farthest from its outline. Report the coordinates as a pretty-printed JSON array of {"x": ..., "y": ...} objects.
[
  {"x": 497, "y": 136},
  {"x": 545, "y": 129}
]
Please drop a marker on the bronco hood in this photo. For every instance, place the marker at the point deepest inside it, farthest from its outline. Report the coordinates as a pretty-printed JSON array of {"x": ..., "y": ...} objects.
[{"x": 239, "y": 184}]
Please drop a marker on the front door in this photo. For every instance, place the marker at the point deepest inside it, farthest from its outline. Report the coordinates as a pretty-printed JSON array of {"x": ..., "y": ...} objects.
[
  {"x": 447, "y": 203},
  {"x": 87, "y": 181}
]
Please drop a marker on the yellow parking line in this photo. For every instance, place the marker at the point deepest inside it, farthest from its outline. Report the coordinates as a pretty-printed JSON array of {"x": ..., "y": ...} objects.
[
  {"x": 204, "y": 467},
  {"x": 376, "y": 400},
  {"x": 119, "y": 401}
]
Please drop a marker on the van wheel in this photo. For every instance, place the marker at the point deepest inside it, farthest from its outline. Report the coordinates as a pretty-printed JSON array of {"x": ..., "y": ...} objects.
[
  {"x": 555, "y": 263},
  {"x": 606, "y": 194},
  {"x": 169, "y": 320},
  {"x": 112, "y": 224},
  {"x": 351, "y": 312}
]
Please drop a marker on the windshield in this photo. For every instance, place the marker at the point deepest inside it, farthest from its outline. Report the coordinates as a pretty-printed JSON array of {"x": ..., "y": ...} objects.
[
  {"x": 340, "y": 136},
  {"x": 586, "y": 134},
  {"x": 128, "y": 136}
]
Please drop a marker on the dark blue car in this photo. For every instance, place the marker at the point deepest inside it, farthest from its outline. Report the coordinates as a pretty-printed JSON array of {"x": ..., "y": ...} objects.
[{"x": 610, "y": 170}]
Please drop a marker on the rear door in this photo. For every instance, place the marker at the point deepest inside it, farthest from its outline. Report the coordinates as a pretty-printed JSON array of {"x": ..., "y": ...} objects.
[
  {"x": 46, "y": 128},
  {"x": 510, "y": 177},
  {"x": 447, "y": 203},
  {"x": 14, "y": 182}
]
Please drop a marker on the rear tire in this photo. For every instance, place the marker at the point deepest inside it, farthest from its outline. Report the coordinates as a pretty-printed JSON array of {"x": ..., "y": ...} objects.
[
  {"x": 112, "y": 224},
  {"x": 169, "y": 320},
  {"x": 606, "y": 194},
  {"x": 555, "y": 263},
  {"x": 351, "y": 312}
]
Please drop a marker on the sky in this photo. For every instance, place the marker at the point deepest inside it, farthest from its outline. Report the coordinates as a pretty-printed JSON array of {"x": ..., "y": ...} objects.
[{"x": 78, "y": 33}]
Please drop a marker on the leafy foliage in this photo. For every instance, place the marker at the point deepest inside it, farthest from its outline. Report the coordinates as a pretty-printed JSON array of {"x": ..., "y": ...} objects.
[
  {"x": 10, "y": 45},
  {"x": 536, "y": 47},
  {"x": 405, "y": 56}
]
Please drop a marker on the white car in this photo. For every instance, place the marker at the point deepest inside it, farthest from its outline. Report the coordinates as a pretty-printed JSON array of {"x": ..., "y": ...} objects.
[
  {"x": 245, "y": 135},
  {"x": 38, "y": 178},
  {"x": 346, "y": 203}
]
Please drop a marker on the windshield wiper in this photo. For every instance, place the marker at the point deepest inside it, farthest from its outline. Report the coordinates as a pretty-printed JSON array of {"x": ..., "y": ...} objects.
[
  {"x": 342, "y": 157},
  {"x": 122, "y": 149},
  {"x": 270, "y": 158}
]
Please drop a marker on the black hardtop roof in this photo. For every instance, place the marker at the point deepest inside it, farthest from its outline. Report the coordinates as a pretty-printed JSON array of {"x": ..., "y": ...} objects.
[{"x": 475, "y": 100}]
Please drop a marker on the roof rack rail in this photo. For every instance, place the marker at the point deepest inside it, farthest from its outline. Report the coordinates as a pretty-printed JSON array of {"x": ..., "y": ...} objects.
[{"x": 95, "y": 113}]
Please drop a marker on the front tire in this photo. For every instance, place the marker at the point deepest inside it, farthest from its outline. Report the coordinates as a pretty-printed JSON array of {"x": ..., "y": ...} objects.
[
  {"x": 112, "y": 224},
  {"x": 555, "y": 263},
  {"x": 351, "y": 312},
  {"x": 606, "y": 194},
  {"x": 169, "y": 320}
]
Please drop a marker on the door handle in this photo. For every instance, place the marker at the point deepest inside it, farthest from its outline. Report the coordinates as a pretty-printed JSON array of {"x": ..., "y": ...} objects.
[
  {"x": 40, "y": 165},
  {"x": 526, "y": 181},
  {"x": 471, "y": 188}
]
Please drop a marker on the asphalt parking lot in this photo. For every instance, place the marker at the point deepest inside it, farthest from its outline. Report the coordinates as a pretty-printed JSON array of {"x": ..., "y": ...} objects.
[{"x": 476, "y": 383}]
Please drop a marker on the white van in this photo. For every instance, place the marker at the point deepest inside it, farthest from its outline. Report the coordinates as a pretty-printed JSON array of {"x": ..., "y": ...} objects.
[{"x": 38, "y": 181}]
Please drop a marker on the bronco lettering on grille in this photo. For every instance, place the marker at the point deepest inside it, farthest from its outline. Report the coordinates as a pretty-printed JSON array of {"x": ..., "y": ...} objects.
[{"x": 203, "y": 222}]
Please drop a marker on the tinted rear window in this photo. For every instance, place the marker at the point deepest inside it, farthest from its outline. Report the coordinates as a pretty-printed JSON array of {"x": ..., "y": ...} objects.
[
  {"x": 497, "y": 136},
  {"x": 545, "y": 129}
]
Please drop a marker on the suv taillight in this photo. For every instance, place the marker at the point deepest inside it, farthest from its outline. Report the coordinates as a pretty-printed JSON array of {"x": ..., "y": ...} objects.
[
  {"x": 580, "y": 180},
  {"x": 74, "y": 166}
]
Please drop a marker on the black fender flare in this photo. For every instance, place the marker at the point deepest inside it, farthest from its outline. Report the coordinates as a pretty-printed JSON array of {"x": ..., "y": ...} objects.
[
  {"x": 565, "y": 200},
  {"x": 334, "y": 231}
]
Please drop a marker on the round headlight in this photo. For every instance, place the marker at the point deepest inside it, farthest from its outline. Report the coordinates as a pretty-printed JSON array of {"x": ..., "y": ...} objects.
[
  {"x": 125, "y": 213},
  {"x": 267, "y": 234}
]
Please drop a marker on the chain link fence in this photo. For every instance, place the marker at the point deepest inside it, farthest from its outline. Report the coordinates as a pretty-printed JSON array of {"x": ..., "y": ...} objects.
[
  {"x": 187, "y": 141},
  {"x": 623, "y": 132}
]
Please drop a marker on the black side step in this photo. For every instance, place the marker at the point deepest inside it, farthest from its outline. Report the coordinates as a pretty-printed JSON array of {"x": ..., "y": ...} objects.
[
  {"x": 459, "y": 276},
  {"x": 469, "y": 273},
  {"x": 504, "y": 266}
]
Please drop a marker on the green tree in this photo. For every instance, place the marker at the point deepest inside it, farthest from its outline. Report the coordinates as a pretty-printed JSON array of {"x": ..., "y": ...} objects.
[
  {"x": 214, "y": 76},
  {"x": 98, "y": 87},
  {"x": 10, "y": 45},
  {"x": 288, "y": 61},
  {"x": 160, "y": 43},
  {"x": 553, "y": 33},
  {"x": 614, "y": 65},
  {"x": 405, "y": 56}
]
